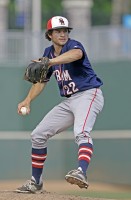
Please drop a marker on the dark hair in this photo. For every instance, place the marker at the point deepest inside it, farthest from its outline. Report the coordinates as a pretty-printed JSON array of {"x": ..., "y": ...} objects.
[{"x": 47, "y": 33}]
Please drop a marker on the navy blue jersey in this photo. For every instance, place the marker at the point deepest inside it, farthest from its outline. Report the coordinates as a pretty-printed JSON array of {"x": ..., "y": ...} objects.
[{"x": 76, "y": 76}]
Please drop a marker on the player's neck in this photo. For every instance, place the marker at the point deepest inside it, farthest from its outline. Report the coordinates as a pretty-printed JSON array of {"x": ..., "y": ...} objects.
[{"x": 57, "y": 51}]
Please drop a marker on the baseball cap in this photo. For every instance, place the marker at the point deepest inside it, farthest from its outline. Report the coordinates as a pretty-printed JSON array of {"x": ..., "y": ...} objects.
[{"x": 57, "y": 22}]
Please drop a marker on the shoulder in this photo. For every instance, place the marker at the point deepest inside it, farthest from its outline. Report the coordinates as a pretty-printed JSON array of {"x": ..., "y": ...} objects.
[
  {"x": 47, "y": 51},
  {"x": 72, "y": 41},
  {"x": 48, "y": 48},
  {"x": 74, "y": 44}
]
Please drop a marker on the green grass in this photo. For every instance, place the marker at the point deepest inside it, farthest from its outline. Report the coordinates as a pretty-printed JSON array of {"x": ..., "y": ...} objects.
[{"x": 104, "y": 195}]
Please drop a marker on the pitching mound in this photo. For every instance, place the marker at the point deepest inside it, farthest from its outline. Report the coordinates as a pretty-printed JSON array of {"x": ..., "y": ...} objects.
[
  {"x": 4, "y": 195},
  {"x": 54, "y": 190}
]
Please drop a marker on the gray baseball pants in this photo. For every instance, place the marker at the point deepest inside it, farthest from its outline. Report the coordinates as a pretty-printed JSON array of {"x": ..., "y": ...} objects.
[{"x": 80, "y": 111}]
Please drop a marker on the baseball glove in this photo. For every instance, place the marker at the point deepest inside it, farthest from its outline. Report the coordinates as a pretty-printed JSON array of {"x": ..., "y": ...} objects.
[{"x": 37, "y": 70}]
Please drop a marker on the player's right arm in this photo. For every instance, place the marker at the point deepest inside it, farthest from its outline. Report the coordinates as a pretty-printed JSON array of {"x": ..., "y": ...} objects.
[{"x": 34, "y": 91}]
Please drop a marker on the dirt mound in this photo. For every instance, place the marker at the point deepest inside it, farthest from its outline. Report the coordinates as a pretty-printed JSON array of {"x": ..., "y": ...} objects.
[{"x": 4, "y": 195}]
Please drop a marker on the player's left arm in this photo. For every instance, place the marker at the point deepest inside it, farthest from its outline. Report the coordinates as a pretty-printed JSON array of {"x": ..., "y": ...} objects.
[{"x": 67, "y": 57}]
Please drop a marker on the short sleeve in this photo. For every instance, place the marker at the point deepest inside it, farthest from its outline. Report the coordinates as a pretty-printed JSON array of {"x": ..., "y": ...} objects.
[{"x": 73, "y": 44}]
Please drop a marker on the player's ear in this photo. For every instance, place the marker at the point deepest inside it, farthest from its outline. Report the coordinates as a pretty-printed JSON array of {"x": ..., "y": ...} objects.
[{"x": 48, "y": 35}]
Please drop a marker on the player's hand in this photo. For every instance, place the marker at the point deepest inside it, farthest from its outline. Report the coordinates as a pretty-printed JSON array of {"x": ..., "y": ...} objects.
[{"x": 23, "y": 104}]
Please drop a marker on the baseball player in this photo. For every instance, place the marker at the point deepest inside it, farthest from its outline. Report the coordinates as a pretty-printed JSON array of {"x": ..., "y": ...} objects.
[{"x": 83, "y": 101}]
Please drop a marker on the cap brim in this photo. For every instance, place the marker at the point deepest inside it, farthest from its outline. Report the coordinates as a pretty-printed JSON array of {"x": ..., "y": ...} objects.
[{"x": 59, "y": 27}]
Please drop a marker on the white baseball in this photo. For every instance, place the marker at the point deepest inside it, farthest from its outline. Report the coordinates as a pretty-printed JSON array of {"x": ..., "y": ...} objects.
[{"x": 23, "y": 110}]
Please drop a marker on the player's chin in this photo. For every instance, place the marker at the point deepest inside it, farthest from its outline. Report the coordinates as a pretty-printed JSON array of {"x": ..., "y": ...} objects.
[{"x": 62, "y": 42}]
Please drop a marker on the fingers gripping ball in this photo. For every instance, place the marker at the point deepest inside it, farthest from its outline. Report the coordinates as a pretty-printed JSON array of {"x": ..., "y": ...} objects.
[
  {"x": 37, "y": 70},
  {"x": 24, "y": 111}
]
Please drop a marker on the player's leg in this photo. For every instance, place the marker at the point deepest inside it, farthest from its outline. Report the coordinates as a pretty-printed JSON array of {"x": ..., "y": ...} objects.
[
  {"x": 85, "y": 117},
  {"x": 57, "y": 120}
]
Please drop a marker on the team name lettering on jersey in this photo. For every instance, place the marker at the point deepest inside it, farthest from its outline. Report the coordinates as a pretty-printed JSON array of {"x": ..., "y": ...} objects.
[
  {"x": 70, "y": 87},
  {"x": 64, "y": 75}
]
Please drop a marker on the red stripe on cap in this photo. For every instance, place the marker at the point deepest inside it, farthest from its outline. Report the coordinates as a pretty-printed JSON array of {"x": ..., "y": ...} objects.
[{"x": 49, "y": 24}]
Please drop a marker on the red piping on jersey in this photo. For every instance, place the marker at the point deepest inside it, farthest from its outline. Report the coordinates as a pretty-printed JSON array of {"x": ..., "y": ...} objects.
[{"x": 89, "y": 112}]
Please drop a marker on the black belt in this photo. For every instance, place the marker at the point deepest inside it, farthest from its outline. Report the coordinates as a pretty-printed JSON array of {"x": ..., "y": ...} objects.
[{"x": 68, "y": 96}]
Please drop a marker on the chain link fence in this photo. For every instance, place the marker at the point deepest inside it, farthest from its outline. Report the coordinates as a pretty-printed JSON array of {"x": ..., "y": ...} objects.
[{"x": 101, "y": 43}]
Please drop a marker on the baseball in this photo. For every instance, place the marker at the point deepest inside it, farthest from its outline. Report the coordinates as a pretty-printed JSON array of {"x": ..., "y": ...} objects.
[{"x": 23, "y": 110}]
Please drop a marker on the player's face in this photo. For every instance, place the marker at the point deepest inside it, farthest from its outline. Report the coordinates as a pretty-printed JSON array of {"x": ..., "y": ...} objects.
[{"x": 60, "y": 36}]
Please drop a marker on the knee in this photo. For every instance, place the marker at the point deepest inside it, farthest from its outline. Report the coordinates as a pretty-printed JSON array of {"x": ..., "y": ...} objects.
[
  {"x": 83, "y": 138},
  {"x": 38, "y": 140}
]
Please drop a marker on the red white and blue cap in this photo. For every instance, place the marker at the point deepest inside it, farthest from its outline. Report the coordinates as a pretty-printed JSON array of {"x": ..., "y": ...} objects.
[{"x": 57, "y": 22}]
